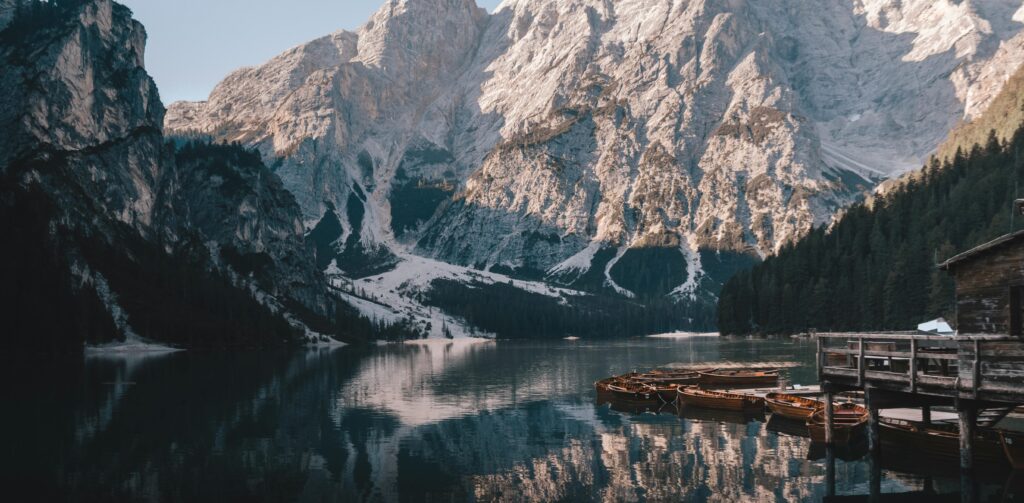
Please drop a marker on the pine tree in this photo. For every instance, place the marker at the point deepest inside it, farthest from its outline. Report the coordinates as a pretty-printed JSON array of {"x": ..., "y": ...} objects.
[{"x": 875, "y": 268}]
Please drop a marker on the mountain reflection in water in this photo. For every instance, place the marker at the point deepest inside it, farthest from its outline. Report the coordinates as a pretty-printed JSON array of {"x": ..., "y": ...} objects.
[{"x": 446, "y": 420}]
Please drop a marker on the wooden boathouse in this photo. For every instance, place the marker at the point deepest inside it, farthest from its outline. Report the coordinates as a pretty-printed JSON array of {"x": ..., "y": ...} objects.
[{"x": 979, "y": 371}]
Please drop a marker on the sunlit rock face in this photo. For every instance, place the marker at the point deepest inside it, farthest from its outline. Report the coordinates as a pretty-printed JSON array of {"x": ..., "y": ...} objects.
[
  {"x": 61, "y": 101},
  {"x": 531, "y": 138}
]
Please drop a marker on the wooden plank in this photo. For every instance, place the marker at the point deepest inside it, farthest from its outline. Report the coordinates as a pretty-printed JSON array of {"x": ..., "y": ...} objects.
[
  {"x": 1001, "y": 367},
  {"x": 977, "y": 366},
  {"x": 924, "y": 355},
  {"x": 893, "y": 354},
  {"x": 913, "y": 365},
  {"x": 906, "y": 336},
  {"x": 995, "y": 346},
  {"x": 936, "y": 381},
  {"x": 844, "y": 371},
  {"x": 1003, "y": 354},
  {"x": 840, "y": 371},
  {"x": 881, "y": 375},
  {"x": 1004, "y": 389}
]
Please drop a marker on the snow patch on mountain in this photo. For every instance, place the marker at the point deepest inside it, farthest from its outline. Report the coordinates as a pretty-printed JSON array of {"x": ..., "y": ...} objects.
[
  {"x": 609, "y": 281},
  {"x": 398, "y": 294},
  {"x": 578, "y": 263},
  {"x": 694, "y": 274}
]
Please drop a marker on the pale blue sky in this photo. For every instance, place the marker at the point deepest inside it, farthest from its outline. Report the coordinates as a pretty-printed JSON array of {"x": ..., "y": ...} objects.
[{"x": 193, "y": 44}]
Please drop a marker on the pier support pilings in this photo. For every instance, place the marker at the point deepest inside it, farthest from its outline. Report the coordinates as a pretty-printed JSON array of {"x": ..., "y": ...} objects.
[
  {"x": 871, "y": 402},
  {"x": 968, "y": 416},
  {"x": 829, "y": 414}
]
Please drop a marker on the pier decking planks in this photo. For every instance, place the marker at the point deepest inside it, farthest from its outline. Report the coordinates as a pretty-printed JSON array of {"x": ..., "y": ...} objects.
[{"x": 981, "y": 376}]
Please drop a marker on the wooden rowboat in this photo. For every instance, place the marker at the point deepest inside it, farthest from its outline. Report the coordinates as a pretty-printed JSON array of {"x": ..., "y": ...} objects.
[
  {"x": 791, "y": 406},
  {"x": 939, "y": 441},
  {"x": 681, "y": 378},
  {"x": 1013, "y": 447},
  {"x": 602, "y": 385},
  {"x": 848, "y": 420},
  {"x": 740, "y": 378},
  {"x": 667, "y": 391},
  {"x": 634, "y": 392},
  {"x": 718, "y": 400}
]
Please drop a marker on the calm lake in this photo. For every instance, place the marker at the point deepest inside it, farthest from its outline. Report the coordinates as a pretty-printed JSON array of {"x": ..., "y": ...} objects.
[{"x": 445, "y": 421}]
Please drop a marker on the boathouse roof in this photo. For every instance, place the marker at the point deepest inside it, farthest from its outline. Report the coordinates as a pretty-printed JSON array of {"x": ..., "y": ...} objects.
[{"x": 982, "y": 249}]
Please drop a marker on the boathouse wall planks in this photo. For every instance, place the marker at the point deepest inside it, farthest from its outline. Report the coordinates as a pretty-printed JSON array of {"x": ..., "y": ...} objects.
[{"x": 990, "y": 287}]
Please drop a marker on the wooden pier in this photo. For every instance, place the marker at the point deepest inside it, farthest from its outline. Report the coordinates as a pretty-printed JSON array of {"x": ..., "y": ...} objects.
[
  {"x": 979, "y": 372},
  {"x": 980, "y": 376}
]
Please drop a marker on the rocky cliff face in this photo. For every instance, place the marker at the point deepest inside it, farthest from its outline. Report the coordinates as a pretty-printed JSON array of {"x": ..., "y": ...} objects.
[
  {"x": 250, "y": 222},
  {"x": 75, "y": 91},
  {"x": 128, "y": 243},
  {"x": 555, "y": 138}
]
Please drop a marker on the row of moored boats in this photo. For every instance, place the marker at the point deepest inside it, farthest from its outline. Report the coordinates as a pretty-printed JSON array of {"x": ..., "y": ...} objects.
[{"x": 722, "y": 390}]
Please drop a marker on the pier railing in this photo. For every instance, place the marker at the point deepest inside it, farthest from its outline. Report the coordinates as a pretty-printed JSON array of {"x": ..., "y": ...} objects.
[{"x": 984, "y": 366}]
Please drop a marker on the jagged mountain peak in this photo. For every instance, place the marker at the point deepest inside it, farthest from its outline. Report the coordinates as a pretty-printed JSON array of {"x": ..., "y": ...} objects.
[
  {"x": 533, "y": 138},
  {"x": 422, "y": 36}
]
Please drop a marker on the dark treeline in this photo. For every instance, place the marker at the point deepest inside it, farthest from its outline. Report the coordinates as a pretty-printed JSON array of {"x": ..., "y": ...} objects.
[
  {"x": 349, "y": 325},
  {"x": 178, "y": 298},
  {"x": 41, "y": 310},
  {"x": 225, "y": 158},
  {"x": 34, "y": 16},
  {"x": 164, "y": 297},
  {"x": 509, "y": 312},
  {"x": 167, "y": 292},
  {"x": 876, "y": 268}
]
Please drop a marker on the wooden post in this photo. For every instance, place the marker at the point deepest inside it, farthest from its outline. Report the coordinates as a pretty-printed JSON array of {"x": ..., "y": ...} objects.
[
  {"x": 830, "y": 471},
  {"x": 913, "y": 365},
  {"x": 871, "y": 401},
  {"x": 875, "y": 465},
  {"x": 967, "y": 490},
  {"x": 829, "y": 415},
  {"x": 926, "y": 414},
  {"x": 860, "y": 363},
  {"x": 968, "y": 422},
  {"x": 821, "y": 360}
]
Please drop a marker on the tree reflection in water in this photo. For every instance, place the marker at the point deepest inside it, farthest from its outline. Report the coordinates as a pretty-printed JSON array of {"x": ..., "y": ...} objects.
[{"x": 511, "y": 421}]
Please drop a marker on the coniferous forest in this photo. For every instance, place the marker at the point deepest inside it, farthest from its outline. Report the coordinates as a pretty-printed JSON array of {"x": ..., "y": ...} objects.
[
  {"x": 509, "y": 312},
  {"x": 875, "y": 269}
]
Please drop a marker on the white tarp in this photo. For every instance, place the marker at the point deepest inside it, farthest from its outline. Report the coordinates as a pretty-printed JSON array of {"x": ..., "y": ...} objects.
[{"x": 938, "y": 326}]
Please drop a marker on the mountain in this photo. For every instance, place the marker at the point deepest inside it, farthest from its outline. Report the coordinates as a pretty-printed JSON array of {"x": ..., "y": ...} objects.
[
  {"x": 112, "y": 233},
  {"x": 1004, "y": 116},
  {"x": 633, "y": 148},
  {"x": 243, "y": 211}
]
